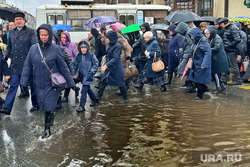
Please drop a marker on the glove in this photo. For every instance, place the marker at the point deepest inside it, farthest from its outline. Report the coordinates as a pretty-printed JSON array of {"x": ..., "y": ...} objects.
[
  {"x": 5, "y": 58},
  {"x": 147, "y": 54}
]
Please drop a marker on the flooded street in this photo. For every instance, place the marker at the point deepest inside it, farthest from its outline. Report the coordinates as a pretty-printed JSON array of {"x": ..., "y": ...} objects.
[{"x": 153, "y": 130}]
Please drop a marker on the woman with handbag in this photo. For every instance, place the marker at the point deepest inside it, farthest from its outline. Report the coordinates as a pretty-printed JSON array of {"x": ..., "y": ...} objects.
[
  {"x": 219, "y": 58},
  {"x": 200, "y": 72},
  {"x": 153, "y": 53},
  {"x": 87, "y": 64},
  {"x": 42, "y": 59}
]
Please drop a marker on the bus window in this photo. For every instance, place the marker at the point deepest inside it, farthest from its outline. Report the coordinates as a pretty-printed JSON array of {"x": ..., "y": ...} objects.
[
  {"x": 122, "y": 19},
  {"x": 131, "y": 19},
  {"x": 85, "y": 14},
  {"x": 158, "y": 15},
  {"x": 98, "y": 13},
  {"x": 76, "y": 19},
  {"x": 59, "y": 19},
  {"x": 111, "y": 13},
  {"x": 51, "y": 19}
]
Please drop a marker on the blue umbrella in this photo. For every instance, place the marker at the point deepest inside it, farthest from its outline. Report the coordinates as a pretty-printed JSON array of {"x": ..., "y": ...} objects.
[
  {"x": 100, "y": 21},
  {"x": 61, "y": 27}
]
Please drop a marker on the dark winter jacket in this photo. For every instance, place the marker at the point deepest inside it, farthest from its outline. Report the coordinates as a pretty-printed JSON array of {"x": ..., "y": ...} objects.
[
  {"x": 65, "y": 57},
  {"x": 140, "y": 43},
  {"x": 219, "y": 57},
  {"x": 18, "y": 46},
  {"x": 4, "y": 70},
  {"x": 99, "y": 47},
  {"x": 241, "y": 47},
  {"x": 231, "y": 38},
  {"x": 174, "y": 47},
  {"x": 47, "y": 96},
  {"x": 153, "y": 47},
  {"x": 114, "y": 72},
  {"x": 201, "y": 58},
  {"x": 183, "y": 29}
]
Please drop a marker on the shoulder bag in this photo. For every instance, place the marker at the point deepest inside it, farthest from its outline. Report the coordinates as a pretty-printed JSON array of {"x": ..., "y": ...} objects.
[
  {"x": 57, "y": 79},
  {"x": 190, "y": 61},
  {"x": 157, "y": 65}
]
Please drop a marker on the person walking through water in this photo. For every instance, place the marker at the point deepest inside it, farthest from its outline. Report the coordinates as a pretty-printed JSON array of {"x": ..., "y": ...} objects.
[
  {"x": 47, "y": 95},
  {"x": 200, "y": 73},
  {"x": 72, "y": 51},
  {"x": 112, "y": 69},
  {"x": 86, "y": 64},
  {"x": 20, "y": 40}
]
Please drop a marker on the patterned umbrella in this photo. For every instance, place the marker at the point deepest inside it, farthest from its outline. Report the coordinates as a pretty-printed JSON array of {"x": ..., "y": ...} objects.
[
  {"x": 100, "y": 21},
  {"x": 119, "y": 26},
  {"x": 241, "y": 19}
]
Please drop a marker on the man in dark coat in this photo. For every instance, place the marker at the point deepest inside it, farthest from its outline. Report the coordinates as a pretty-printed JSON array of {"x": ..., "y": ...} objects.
[
  {"x": 230, "y": 39},
  {"x": 20, "y": 40}
]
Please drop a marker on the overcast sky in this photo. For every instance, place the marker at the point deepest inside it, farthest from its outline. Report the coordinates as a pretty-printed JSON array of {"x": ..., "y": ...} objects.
[{"x": 30, "y": 5}]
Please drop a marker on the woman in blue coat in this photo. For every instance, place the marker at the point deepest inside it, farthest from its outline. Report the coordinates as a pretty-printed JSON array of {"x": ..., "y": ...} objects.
[
  {"x": 174, "y": 48},
  {"x": 112, "y": 69},
  {"x": 200, "y": 73},
  {"x": 151, "y": 77},
  {"x": 87, "y": 64},
  {"x": 47, "y": 95},
  {"x": 219, "y": 57}
]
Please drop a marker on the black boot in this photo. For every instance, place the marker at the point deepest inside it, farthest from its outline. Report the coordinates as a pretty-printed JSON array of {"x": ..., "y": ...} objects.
[
  {"x": 59, "y": 103},
  {"x": 64, "y": 99},
  {"x": 24, "y": 92},
  {"x": 94, "y": 103},
  {"x": 217, "y": 91},
  {"x": 66, "y": 95},
  {"x": 170, "y": 76},
  {"x": 139, "y": 87},
  {"x": 163, "y": 88},
  {"x": 102, "y": 86},
  {"x": 77, "y": 90},
  {"x": 80, "y": 109},
  {"x": 124, "y": 95},
  {"x": 49, "y": 121},
  {"x": 190, "y": 88}
]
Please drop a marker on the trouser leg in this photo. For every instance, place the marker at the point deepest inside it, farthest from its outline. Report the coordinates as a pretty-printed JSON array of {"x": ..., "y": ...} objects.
[
  {"x": 10, "y": 98},
  {"x": 232, "y": 58},
  {"x": 102, "y": 87},
  {"x": 84, "y": 95},
  {"x": 200, "y": 90},
  {"x": 91, "y": 94},
  {"x": 33, "y": 93},
  {"x": 124, "y": 92},
  {"x": 66, "y": 92},
  {"x": 49, "y": 118}
]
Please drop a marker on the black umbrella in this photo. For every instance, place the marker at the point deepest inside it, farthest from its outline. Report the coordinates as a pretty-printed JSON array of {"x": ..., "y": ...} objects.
[
  {"x": 6, "y": 13},
  {"x": 182, "y": 16},
  {"x": 159, "y": 26},
  {"x": 208, "y": 18}
]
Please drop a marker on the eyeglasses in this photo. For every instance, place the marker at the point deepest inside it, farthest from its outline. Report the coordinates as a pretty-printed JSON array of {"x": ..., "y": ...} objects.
[{"x": 63, "y": 37}]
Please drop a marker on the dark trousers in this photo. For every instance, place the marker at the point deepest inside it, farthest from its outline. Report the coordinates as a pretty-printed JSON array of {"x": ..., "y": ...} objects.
[
  {"x": 10, "y": 98},
  {"x": 232, "y": 58},
  {"x": 49, "y": 118},
  {"x": 201, "y": 89},
  {"x": 103, "y": 84},
  {"x": 86, "y": 89}
]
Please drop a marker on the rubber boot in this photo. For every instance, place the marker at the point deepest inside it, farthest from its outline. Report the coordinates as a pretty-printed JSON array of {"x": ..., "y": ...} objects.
[
  {"x": 59, "y": 103},
  {"x": 190, "y": 88},
  {"x": 124, "y": 95},
  {"x": 66, "y": 95},
  {"x": 77, "y": 90},
  {"x": 24, "y": 92},
  {"x": 139, "y": 87},
  {"x": 163, "y": 88},
  {"x": 170, "y": 76},
  {"x": 49, "y": 121}
]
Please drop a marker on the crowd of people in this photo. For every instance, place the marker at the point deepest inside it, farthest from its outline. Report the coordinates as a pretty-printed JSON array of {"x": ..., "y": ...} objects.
[{"x": 196, "y": 55}]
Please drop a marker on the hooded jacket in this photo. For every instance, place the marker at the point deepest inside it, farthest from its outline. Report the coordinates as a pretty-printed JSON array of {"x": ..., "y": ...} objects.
[
  {"x": 47, "y": 96},
  {"x": 69, "y": 46},
  {"x": 183, "y": 29},
  {"x": 174, "y": 47},
  {"x": 241, "y": 48},
  {"x": 65, "y": 57},
  {"x": 114, "y": 72},
  {"x": 140, "y": 43},
  {"x": 219, "y": 57},
  {"x": 201, "y": 56},
  {"x": 87, "y": 64}
]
